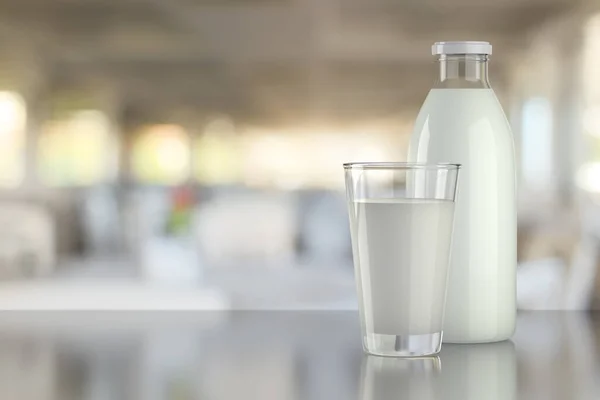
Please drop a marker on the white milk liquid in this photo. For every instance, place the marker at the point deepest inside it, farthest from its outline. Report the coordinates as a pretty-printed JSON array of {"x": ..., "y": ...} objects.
[
  {"x": 401, "y": 249},
  {"x": 468, "y": 126}
]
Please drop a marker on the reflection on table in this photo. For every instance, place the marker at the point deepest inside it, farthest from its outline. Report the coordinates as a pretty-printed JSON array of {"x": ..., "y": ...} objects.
[{"x": 281, "y": 355}]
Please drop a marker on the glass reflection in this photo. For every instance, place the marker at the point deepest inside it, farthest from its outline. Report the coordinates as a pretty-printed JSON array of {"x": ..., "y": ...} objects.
[
  {"x": 470, "y": 372},
  {"x": 405, "y": 378}
]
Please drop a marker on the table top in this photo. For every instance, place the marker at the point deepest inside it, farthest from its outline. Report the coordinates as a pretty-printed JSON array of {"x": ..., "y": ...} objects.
[{"x": 281, "y": 355}]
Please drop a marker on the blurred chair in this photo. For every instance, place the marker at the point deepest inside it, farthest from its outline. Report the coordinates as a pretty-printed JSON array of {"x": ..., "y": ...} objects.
[
  {"x": 564, "y": 254},
  {"x": 27, "y": 241},
  {"x": 541, "y": 284},
  {"x": 580, "y": 285},
  {"x": 324, "y": 232},
  {"x": 247, "y": 227},
  {"x": 161, "y": 257},
  {"x": 548, "y": 239},
  {"x": 101, "y": 222}
]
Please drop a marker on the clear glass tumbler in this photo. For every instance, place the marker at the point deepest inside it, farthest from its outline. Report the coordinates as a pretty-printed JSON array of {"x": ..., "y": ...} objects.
[{"x": 401, "y": 220}]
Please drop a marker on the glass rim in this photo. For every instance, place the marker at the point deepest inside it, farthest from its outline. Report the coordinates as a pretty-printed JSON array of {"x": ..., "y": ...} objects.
[{"x": 401, "y": 165}]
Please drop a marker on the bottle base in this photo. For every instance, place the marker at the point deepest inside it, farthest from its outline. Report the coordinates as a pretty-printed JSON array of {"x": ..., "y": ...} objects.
[{"x": 474, "y": 340}]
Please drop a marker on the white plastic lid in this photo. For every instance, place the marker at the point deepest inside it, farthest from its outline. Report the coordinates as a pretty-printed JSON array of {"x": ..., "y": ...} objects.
[{"x": 466, "y": 47}]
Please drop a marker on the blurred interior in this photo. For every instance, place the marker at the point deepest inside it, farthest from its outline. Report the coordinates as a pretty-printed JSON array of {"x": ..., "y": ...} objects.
[{"x": 187, "y": 153}]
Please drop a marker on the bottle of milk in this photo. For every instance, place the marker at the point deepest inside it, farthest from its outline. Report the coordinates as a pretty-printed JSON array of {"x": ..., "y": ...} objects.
[{"x": 462, "y": 122}]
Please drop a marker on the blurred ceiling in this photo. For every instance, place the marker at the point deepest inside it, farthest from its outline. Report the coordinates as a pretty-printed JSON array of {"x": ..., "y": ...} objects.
[{"x": 264, "y": 61}]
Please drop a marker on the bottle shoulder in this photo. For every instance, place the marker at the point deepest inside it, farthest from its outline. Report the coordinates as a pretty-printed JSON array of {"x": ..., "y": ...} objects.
[
  {"x": 460, "y": 111},
  {"x": 462, "y": 125}
]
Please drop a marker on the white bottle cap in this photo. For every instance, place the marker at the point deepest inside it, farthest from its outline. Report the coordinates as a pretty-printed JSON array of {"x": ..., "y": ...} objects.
[{"x": 466, "y": 47}]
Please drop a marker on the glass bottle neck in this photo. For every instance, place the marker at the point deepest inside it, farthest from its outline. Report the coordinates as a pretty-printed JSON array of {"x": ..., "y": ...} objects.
[{"x": 463, "y": 71}]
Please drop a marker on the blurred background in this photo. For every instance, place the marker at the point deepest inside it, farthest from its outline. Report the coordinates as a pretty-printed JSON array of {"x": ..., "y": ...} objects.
[{"x": 187, "y": 153}]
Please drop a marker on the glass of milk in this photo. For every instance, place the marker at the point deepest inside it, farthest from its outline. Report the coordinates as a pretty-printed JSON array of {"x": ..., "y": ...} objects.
[{"x": 401, "y": 218}]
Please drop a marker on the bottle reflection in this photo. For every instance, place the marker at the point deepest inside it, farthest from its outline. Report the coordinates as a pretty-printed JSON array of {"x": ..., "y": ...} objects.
[
  {"x": 399, "y": 378},
  {"x": 470, "y": 372},
  {"x": 478, "y": 371}
]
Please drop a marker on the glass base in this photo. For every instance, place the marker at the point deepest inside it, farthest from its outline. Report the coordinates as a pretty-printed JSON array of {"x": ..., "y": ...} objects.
[{"x": 402, "y": 345}]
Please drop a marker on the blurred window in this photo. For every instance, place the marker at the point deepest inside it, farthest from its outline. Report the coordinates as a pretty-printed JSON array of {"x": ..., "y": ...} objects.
[
  {"x": 536, "y": 146},
  {"x": 588, "y": 174},
  {"x": 216, "y": 153},
  {"x": 75, "y": 150},
  {"x": 13, "y": 118},
  {"x": 312, "y": 158},
  {"x": 161, "y": 155},
  {"x": 591, "y": 58}
]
